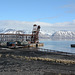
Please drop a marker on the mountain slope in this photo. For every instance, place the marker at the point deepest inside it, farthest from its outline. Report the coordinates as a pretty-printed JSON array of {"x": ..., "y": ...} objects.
[
  {"x": 63, "y": 35},
  {"x": 45, "y": 32}
]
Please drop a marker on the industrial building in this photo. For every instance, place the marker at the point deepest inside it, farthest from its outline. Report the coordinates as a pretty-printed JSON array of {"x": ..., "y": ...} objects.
[{"x": 20, "y": 37}]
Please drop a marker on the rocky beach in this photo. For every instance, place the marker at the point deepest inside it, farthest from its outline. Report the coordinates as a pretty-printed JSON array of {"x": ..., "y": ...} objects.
[{"x": 31, "y": 61}]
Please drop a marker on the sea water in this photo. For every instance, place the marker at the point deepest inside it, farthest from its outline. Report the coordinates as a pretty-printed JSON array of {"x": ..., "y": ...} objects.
[{"x": 59, "y": 45}]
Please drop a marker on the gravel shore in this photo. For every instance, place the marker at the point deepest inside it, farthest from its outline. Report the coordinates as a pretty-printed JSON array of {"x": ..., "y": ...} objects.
[{"x": 19, "y": 66}]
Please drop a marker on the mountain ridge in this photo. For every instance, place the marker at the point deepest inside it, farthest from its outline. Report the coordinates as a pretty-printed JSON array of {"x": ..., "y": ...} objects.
[{"x": 44, "y": 34}]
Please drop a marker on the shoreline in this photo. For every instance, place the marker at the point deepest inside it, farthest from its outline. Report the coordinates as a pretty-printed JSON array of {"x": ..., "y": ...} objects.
[{"x": 13, "y": 60}]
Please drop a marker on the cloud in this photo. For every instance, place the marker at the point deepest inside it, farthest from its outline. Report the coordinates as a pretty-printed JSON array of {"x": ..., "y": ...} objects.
[
  {"x": 74, "y": 21},
  {"x": 47, "y": 18},
  {"x": 64, "y": 24},
  {"x": 70, "y": 8},
  {"x": 42, "y": 23},
  {"x": 23, "y": 25}
]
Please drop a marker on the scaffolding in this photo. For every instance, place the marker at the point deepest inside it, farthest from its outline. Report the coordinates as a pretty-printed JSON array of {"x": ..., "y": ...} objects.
[{"x": 33, "y": 38}]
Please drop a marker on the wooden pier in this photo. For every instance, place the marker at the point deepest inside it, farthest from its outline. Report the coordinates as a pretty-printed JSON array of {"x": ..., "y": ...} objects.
[{"x": 36, "y": 45}]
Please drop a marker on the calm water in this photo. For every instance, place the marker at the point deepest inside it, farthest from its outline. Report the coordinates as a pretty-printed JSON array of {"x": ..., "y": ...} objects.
[{"x": 61, "y": 45}]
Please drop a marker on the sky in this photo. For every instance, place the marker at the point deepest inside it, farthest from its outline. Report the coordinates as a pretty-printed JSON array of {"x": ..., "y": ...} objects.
[{"x": 51, "y": 14}]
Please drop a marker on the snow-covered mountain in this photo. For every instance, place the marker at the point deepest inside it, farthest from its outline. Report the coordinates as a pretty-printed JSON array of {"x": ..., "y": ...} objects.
[
  {"x": 63, "y": 35},
  {"x": 44, "y": 34},
  {"x": 14, "y": 31},
  {"x": 46, "y": 31},
  {"x": 58, "y": 35}
]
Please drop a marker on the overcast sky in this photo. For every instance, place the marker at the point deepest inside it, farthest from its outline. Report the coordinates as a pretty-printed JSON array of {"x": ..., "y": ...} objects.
[{"x": 50, "y": 14}]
